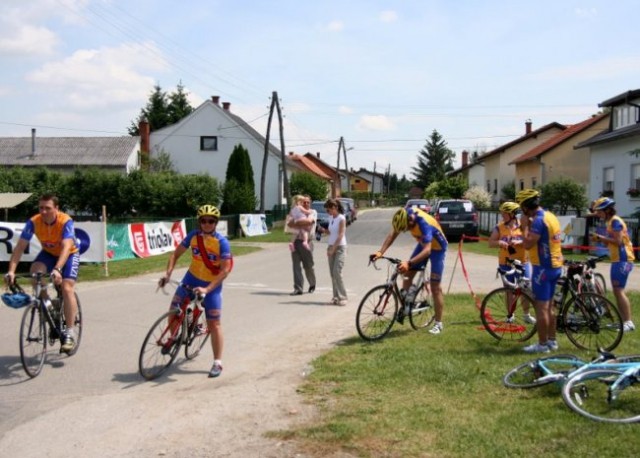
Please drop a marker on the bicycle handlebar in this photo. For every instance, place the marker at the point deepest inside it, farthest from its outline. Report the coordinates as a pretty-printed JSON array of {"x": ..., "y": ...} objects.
[{"x": 162, "y": 283}]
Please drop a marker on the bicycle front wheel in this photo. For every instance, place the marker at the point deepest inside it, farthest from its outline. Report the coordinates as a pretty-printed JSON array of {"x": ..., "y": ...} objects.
[
  {"x": 590, "y": 394},
  {"x": 376, "y": 313},
  {"x": 77, "y": 326},
  {"x": 421, "y": 314},
  {"x": 197, "y": 336},
  {"x": 532, "y": 373},
  {"x": 161, "y": 345},
  {"x": 592, "y": 322},
  {"x": 507, "y": 314},
  {"x": 33, "y": 340}
]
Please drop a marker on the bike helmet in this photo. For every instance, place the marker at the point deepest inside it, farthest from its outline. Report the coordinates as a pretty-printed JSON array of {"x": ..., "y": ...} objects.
[
  {"x": 208, "y": 210},
  {"x": 603, "y": 203},
  {"x": 16, "y": 300},
  {"x": 527, "y": 195},
  {"x": 509, "y": 207},
  {"x": 400, "y": 220}
]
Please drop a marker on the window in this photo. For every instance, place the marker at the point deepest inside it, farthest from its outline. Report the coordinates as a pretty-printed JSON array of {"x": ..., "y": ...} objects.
[
  {"x": 635, "y": 176},
  {"x": 521, "y": 184},
  {"x": 608, "y": 176},
  {"x": 625, "y": 115},
  {"x": 488, "y": 185},
  {"x": 495, "y": 186},
  {"x": 208, "y": 143},
  {"x": 534, "y": 182}
]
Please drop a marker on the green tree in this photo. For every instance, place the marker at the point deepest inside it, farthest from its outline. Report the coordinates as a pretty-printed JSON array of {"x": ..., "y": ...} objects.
[
  {"x": 179, "y": 105},
  {"x": 434, "y": 161},
  {"x": 161, "y": 163},
  {"x": 162, "y": 109},
  {"x": 508, "y": 191},
  {"x": 562, "y": 194},
  {"x": 451, "y": 188},
  {"x": 308, "y": 183},
  {"x": 239, "y": 186}
]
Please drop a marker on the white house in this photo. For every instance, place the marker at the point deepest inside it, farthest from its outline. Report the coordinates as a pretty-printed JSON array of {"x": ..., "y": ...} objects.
[
  {"x": 615, "y": 154},
  {"x": 203, "y": 141}
]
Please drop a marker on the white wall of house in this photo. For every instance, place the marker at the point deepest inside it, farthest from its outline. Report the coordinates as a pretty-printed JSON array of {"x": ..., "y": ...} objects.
[
  {"x": 182, "y": 142},
  {"x": 611, "y": 162},
  {"x": 476, "y": 175}
]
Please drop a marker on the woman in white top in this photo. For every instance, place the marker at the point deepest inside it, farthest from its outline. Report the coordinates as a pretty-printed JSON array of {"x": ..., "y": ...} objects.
[{"x": 337, "y": 249}]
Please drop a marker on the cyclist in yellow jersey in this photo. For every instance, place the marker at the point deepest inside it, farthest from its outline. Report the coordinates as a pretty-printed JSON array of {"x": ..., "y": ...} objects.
[
  {"x": 620, "y": 253},
  {"x": 432, "y": 246},
  {"x": 205, "y": 281},
  {"x": 507, "y": 236},
  {"x": 60, "y": 257},
  {"x": 542, "y": 238}
]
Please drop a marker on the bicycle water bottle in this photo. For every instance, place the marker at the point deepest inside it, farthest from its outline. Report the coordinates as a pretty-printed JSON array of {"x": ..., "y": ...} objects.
[{"x": 411, "y": 294}]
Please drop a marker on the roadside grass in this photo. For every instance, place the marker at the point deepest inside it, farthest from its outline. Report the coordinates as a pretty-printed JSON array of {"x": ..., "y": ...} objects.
[{"x": 416, "y": 395}]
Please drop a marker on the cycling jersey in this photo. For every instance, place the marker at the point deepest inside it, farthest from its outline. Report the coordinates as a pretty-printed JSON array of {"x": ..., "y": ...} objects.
[
  {"x": 427, "y": 229},
  {"x": 507, "y": 233},
  {"x": 547, "y": 252},
  {"x": 51, "y": 235},
  {"x": 617, "y": 252},
  {"x": 217, "y": 247}
]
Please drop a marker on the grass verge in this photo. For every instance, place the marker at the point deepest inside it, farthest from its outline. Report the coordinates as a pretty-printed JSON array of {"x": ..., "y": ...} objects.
[{"x": 416, "y": 395}]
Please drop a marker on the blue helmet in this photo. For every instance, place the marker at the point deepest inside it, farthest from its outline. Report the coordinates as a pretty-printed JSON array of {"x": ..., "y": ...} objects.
[
  {"x": 17, "y": 300},
  {"x": 603, "y": 203}
]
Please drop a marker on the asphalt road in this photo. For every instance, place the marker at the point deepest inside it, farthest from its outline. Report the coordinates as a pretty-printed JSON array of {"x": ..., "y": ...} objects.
[{"x": 96, "y": 403}]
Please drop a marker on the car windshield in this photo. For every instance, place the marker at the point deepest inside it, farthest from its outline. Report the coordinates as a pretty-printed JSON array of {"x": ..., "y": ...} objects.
[{"x": 456, "y": 207}]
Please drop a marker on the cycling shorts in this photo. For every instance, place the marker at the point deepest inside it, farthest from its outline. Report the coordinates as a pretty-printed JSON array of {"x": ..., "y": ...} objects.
[
  {"x": 620, "y": 272},
  {"x": 437, "y": 262},
  {"x": 543, "y": 282},
  {"x": 212, "y": 301},
  {"x": 511, "y": 278},
  {"x": 70, "y": 268}
]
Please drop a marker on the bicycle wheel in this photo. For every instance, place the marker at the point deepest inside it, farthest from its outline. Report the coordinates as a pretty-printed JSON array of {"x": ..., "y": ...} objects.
[
  {"x": 77, "y": 326},
  {"x": 532, "y": 373},
  {"x": 33, "y": 340},
  {"x": 592, "y": 322},
  {"x": 197, "y": 336},
  {"x": 161, "y": 345},
  {"x": 503, "y": 314},
  {"x": 376, "y": 313},
  {"x": 601, "y": 284},
  {"x": 590, "y": 394},
  {"x": 421, "y": 313}
]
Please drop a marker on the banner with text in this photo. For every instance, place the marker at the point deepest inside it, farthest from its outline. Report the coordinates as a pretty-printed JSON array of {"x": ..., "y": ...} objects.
[{"x": 253, "y": 225}]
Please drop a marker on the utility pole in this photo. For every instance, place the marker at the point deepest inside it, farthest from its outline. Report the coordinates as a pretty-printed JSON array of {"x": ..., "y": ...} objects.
[
  {"x": 275, "y": 103},
  {"x": 343, "y": 150}
]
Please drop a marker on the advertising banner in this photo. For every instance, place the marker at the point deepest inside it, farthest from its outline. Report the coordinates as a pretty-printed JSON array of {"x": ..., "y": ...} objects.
[
  {"x": 253, "y": 225},
  {"x": 151, "y": 239}
]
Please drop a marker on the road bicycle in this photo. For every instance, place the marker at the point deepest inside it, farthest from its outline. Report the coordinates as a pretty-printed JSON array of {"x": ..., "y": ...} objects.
[
  {"x": 589, "y": 280},
  {"x": 606, "y": 389},
  {"x": 386, "y": 304},
  {"x": 185, "y": 325},
  {"x": 506, "y": 311},
  {"x": 43, "y": 324}
]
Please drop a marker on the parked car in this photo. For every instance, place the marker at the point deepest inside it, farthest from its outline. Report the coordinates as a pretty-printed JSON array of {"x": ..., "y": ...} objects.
[
  {"x": 422, "y": 204},
  {"x": 323, "y": 216},
  {"x": 352, "y": 206},
  {"x": 348, "y": 211},
  {"x": 457, "y": 217}
]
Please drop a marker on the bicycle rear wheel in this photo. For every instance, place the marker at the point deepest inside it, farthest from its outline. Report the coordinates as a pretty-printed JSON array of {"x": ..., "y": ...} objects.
[
  {"x": 33, "y": 340},
  {"x": 77, "y": 326},
  {"x": 592, "y": 322},
  {"x": 376, "y": 313},
  {"x": 503, "y": 314},
  {"x": 531, "y": 373},
  {"x": 197, "y": 336},
  {"x": 589, "y": 394},
  {"x": 161, "y": 345},
  {"x": 421, "y": 313}
]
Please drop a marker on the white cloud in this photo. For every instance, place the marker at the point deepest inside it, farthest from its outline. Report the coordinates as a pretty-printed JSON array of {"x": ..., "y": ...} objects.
[
  {"x": 344, "y": 110},
  {"x": 595, "y": 70},
  {"x": 26, "y": 39},
  {"x": 376, "y": 122},
  {"x": 102, "y": 77},
  {"x": 336, "y": 26},
  {"x": 586, "y": 12},
  {"x": 388, "y": 16}
]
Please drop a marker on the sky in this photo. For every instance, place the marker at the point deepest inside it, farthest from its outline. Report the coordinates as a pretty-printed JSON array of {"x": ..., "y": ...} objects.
[{"x": 383, "y": 75}]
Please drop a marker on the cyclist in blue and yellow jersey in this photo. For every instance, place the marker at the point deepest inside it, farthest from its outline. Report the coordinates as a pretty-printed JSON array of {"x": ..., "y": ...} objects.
[
  {"x": 432, "y": 246},
  {"x": 507, "y": 236},
  {"x": 211, "y": 263},
  {"x": 620, "y": 253},
  {"x": 60, "y": 257},
  {"x": 542, "y": 238}
]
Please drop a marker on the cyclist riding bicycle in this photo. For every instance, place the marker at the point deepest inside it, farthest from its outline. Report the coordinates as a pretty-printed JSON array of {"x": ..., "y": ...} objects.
[
  {"x": 620, "y": 253},
  {"x": 60, "y": 257},
  {"x": 432, "y": 246},
  {"x": 211, "y": 263}
]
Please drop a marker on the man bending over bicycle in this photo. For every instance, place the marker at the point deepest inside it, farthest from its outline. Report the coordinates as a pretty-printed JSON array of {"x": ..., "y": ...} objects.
[
  {"x": 60, "y": 256},
  {"x": 210, "y": 264},
  {"x": 432, "y": 245}
]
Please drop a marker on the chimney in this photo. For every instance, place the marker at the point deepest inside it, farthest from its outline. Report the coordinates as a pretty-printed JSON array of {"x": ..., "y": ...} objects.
[
  {"x": 226, "y": 105},
  {"x": 215, "y": 99},
  {"x": 290, "y": 153},
  {"x": 145, "y": 131},
  {"x": 465, "y": 158},
  {"x": 33, "y": 141},
  {"x": 318, "y": 154},
  {"x": 527, "y": 127}
]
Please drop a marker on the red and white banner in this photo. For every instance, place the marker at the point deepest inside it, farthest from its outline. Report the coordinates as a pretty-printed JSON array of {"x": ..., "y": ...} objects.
[{"x": 151, "y": 239}]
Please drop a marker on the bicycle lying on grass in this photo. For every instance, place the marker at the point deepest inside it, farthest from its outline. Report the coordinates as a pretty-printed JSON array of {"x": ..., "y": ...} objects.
[
  {"x": 590, "y": 320},
  {"x": 385, "y": 304},
  {"x": 41, "y": 324},
  {"x": 185, "y": 325},
  {"x": 606, "y": 389}
]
